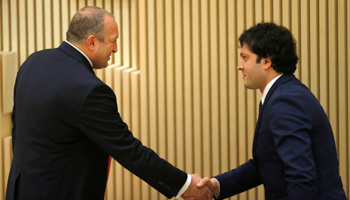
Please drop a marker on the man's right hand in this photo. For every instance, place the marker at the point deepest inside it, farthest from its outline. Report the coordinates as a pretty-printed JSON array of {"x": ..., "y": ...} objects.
[
  {"x": 195, "y": 192},
  {"x": 212, "y": 184}
]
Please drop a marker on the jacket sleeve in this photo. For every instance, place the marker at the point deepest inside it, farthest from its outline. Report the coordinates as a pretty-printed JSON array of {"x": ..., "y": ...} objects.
[
  {"x": 238, "y": 180},
  {"x": 100, "y": 121}
]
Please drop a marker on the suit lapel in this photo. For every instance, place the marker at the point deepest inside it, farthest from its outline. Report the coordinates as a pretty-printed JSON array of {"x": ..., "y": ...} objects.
[
  {"x": 76, "y": 55},
  {"x": 282, "y": 79}
]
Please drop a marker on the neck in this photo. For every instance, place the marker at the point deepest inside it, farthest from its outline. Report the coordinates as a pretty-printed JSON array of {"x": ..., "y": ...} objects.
[{"x": 270, "y": 77}]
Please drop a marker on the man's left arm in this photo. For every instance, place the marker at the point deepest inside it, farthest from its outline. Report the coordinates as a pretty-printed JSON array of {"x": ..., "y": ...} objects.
[{"x": 291, "y": 126}]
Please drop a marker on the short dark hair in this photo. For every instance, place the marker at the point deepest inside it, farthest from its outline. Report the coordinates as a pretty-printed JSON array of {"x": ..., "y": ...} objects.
[
  {"x": 268, "y": 40},
  {"x": 87, "y": 21}
]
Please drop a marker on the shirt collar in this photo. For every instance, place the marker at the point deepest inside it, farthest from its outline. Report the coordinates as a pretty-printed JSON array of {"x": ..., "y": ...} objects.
[
  {"x": 80, "y": 52},
  {"x": 268, "y": 87}
]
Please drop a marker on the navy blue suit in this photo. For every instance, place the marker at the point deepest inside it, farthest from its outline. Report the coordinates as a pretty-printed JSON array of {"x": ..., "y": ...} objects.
[
  {"x": 66, "y": 124},
  {"x": 294, "y": 152}
]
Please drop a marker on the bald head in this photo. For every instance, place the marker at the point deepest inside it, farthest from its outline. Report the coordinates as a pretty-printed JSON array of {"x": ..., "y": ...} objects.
[{"x": 87, "y": 21}]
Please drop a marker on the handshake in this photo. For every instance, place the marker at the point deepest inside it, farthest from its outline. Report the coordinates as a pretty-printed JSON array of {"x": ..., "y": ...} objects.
[{"x": 201, "y": 188}]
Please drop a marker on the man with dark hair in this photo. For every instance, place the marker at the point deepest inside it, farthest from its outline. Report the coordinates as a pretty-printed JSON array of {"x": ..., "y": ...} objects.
[
  {"x": 66, "y": 123},
  {"x": 294, "y": 152}
]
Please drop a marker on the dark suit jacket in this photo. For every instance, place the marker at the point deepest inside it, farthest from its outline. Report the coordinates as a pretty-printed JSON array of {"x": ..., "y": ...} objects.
[
  {"x": 66, "y": 124},
  {"x": 294, "y": 153}
]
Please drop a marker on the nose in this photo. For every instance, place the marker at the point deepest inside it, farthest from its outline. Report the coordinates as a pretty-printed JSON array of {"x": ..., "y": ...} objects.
[
  {"x": 115, "y": 48},
  {"x": 240, "y": 66}
]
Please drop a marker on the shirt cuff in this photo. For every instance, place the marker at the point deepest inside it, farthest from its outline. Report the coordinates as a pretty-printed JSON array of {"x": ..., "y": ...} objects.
[
  {"x": 217, "y": 196},
  {"x": 184, "y": 187}
]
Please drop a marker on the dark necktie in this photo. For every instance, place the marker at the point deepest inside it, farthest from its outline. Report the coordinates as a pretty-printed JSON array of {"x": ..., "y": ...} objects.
[{"x": 260, "y": 106}]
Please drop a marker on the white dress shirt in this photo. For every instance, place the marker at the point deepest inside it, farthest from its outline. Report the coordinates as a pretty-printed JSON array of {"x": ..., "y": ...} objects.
[
  {"x": 268, "y": 87},
  {"x": 80, "y": 52}
]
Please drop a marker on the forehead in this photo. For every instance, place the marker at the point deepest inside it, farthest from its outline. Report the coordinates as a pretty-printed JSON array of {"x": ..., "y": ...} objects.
[
  {"x": 246, "y": 50},
  {"x": 111, "y": 27}
]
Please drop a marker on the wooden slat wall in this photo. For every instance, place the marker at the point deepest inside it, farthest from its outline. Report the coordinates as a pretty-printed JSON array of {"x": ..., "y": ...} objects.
[{"x": 176, "y": 80}]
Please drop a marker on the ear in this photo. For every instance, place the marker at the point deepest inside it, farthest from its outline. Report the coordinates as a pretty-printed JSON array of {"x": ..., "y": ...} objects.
[
  {"x": 91, "y": 42},
  {"x": 266, "y": 62}
]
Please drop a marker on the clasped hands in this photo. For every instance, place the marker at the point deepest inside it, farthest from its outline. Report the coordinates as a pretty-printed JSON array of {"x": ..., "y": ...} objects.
[{"x": 201, "y": 188}]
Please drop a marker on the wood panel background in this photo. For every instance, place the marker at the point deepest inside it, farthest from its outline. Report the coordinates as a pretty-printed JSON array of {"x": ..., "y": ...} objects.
[{"x": 176, "y": 80}]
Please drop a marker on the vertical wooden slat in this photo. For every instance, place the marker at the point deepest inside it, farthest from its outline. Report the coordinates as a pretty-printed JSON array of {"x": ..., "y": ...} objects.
[
  {"x": 188, "y": 91},
  {"x": 268, "y": 11},
  {"x": 125, "y": 28},
  {"x": 323, "y": 34},
  {"x": 126, "y": 61},
  {"x": 14, "y": 27},
  {"x": 31, "y": 27},
  {"x": 161, "y": 74},
  {"x": 7, "y": 158},
  {"x": 135, "y": 125},
  {"x": 2, "y": 160},
  {"x": 342, "y": 85},
  {"x": 314, "y": 48},
  {"x": 126, "y": 110},
  {"x": 118, "y": 13},
  {"x": 118, "y": 89},
  {"x": 144, "y": 84},
  {"x": 5, "y": 26},
  {"x": 3, "y": 181},
  {"x": 304, "y": 44},
  {"x": 9, "y": 72},
  {"x": 276, "y": 9},
  {"x": 90, "y": 2},
  {"x": 81, "y": 3},
  {"x": 135, "y": 46},
  {"x": 295, "y": 29},
  {"x": 47, "y": 15},
  {"x": 286, "y": 16},
  {"x": 179, "y": 79},
  {"x": 223, "y": 87},
  {"x": 169, "y": 32},
  {"x": 206, "y": 131},
  {"x": 333, "y": 71},
  {"x": 242, "y": 153},
  {"x": 6, "y": 60},
  {"x": 39, "y": 24},
  {"x": 135, "y": 88},
  {"x": 73, "y": 8},
  {"x": 233, "y": 86},
  {"x": 152, "y": 80},
  {"x": 214, "y": 87},
  {"x": 161, "y": 82},
  {"x": 107, "y": 5},
  {"x": 1, "y": 31},
  {"x": 197, "y": 88},
  {"x": 347, "y": 190},
  {"x": 110, "y": 188},
  {"x": 56, "y": 23},
  {"x": 251, "y": 101},
  {"x": 97, "y": 3},
  {"x": 64, "y": 20},
  {"x": 259, "y": 16},
  {"x": 22, "y": 26}
]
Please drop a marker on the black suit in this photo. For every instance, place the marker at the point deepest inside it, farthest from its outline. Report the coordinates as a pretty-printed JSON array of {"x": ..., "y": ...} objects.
[{"x": 66, "y": 124}]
